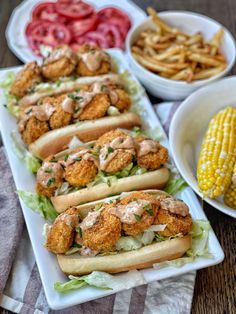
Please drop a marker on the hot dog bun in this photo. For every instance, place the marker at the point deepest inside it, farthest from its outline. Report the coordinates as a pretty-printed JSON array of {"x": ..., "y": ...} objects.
[
  {"x": 142, "y": 258},
  {"x": 153, "y": 179},
  {"x": 56, "y": 140}
]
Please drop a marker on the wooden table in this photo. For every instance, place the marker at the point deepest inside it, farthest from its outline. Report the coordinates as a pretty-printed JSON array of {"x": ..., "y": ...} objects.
[{"x": 215, "y": 286}]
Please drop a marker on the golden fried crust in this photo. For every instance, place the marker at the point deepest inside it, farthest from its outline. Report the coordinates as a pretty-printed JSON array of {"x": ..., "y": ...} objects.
[
  {"x": 109, "y": 136},
  {"x": 147, "y": 218},
  {"x": 59, "y": 118},
  {"x": 82, "y": 69},
  {"x": 175, "y": 223},
  {"x": 124, "y": 101},
  {"x": 96, "y": 109},
  {"x": 80, "y": 173},
  {"x": 34, "y": 128},
  {"x": 153, "y": 161},
  {"x": 60, "y": 235},
  {"x": 26, "y": 79},
  {"x": 119, "y": 162},
  {"x": 61, "y": 67},
  {"x": 103, "y": 235}
]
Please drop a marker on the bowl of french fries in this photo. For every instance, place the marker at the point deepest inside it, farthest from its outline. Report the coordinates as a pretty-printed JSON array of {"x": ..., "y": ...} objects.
[
  {"x": 203, "y": 142},
  {"x": 174, "y": 53}
]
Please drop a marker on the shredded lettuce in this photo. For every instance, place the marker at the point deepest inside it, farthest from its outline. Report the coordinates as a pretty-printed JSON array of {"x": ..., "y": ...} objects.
[
  {"x": 147, "y": 237},
  {"x": 39, "y": 204},
  {"x": 129, "y": 243},
  {"x": 101, "y": 280},
  {"x": 155, "y": 133},
  {"x": 199, "y": 248},
  {"x": 11, "y": 100},
  {"x": 132, "y": 87},
  {"x": 32, "y": 163},
  {"x": 113, "y": 111},
  {"x": 175, "y": 185}
]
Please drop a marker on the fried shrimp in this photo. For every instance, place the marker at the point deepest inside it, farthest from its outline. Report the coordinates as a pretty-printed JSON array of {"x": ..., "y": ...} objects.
[
  {"x": 92, "y": 61},
  {"x": 49, "y": 177},
  {"x": 80, "y": 168},
  {"x": 146, "y": 219},
  {"x": 104, "y": 233},
  {"x": 63, "y": 111},
  {"x": 122, "y": 100},
  {"x": 151, "y": 154},
  {"x": 61, "y": 62},
  {"x": 96, "y": 108},
  {"x": 33, "y": 129},
  {"x": 175, "y": 215},
  {"x": 26, "y": 79},
  {"x": 60, "y": 235},
  {"x": 116, "y": 151}
]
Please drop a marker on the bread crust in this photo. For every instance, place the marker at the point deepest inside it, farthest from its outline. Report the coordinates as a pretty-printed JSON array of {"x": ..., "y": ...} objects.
[{"x": 56, "y": 140}]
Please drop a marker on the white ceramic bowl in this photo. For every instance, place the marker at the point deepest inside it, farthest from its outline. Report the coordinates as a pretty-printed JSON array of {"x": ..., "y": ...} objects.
[
  {"x": 189, "y": 125},
  {"x": 190, "y": 23}
]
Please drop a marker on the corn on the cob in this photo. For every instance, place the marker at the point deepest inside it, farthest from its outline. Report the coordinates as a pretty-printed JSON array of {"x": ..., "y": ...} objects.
[
  {"x": 218, "y": 153},
  {"x": 230, "y": 194}
]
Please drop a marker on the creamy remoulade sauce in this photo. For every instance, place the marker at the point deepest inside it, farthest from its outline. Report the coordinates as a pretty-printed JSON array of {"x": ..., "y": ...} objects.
[
  {"x": 57, "y": 54},
  {"x": 110, "y": 150},
  {"x": 70, "y": 220},
  {"x": 68, "y": 105},
  {"x": 86, "y": 251},
  {"x": 90, "y": 219},
  {"x": 127, "y": 213},
  {"x": 42, "y": 113},
  {"x": 94, "y": 58},
  {"x": 175, "y": 206},
  {"x": 48, "y": 171},
  {"x": 99, "y": 87},
  {"x": 84, "y": 154},
  {"x": 148, "y": 146}
]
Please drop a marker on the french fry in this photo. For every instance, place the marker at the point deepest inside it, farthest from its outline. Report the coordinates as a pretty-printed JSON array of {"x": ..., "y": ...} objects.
[{"x": 175, "y": 55}]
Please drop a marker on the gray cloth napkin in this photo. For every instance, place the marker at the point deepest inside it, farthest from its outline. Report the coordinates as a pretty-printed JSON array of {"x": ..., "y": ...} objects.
[{"x": 23, "y": 292}]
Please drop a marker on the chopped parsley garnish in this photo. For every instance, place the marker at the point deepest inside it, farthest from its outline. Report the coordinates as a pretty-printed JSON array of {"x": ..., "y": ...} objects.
[
  {"x": 29, "y": 111},
  {"x": 58, "y": 83},
  {"x": 4, "y": 105},
  {"x": 77, "y": 158},
  {"x": 49, "y": 170},
  {"x": 80, "y": 232},
  {"x": 109, "y": 182},
  {"x": 110, "y": 150},
  {"x": 74, "y": 77},
  {"x": 66, "y": 157},
  {"x": 103, "y": 87},
  {"x": 150, "y": 212},
  {"x": 51, "y": 181},
  {"x": 75, "y": 97},
  {"x": 137, "y": 217},
  {"x": 79, "y": 246}
]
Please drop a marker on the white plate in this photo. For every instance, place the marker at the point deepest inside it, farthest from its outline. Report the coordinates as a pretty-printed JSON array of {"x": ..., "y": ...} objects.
[
  {"x": 189, "y": 126},
  {"x": 20, "y": 17},
  {"x": 47, "y": 263}
]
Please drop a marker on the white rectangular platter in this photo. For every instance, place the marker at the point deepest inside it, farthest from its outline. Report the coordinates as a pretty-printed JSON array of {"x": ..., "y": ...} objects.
[{"x": 47, "y": 262}]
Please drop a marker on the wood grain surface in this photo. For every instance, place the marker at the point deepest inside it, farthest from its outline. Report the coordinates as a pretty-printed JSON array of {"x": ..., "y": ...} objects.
[{"x": 215, "y": 289}]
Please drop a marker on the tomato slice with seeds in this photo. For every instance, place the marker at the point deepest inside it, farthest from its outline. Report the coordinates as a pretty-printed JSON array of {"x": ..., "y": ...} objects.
[
  {"x": 81, "y": 27},
  {"x": 74, "y": 9},
  {"x": 94, "y": 39},
  {"x": 112, "y": 35},
  {"x": 47, "y": 12},
  {"x": 107, "y": 15}
]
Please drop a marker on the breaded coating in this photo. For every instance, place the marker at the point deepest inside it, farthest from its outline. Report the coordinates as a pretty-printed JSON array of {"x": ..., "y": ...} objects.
[
  {"x": 96, "y": 108},
  {"x": 61, "y": 62},
  {"x": 29, "y": 76},
  {"x": 175, "y": 223},
  {"x": 34, "y": 128},
  {"x": 60, "y": 117},
  {"x": 49, "y": 177},
  {"x": 122, "y": 158},
  {"x": 124, "y": 101},
  {"x": 147, "y": 217},
  {"x": 80, "y": 172},
  {"x": 109, "y": 136},
  {"x": 104, "y": 234},
  {"x": 152, "y": 160},
  {"x": 60, "y": 235},
  {"x": 83, "y": 70}
]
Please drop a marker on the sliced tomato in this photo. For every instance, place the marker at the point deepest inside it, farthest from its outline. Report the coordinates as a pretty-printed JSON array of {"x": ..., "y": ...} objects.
[
  {"x": 47, "y": 12},
  {"x": 122, "y": 26},
  {"x": 109, "y": 14},
  {"x": 112, "y": 34},
  {"x": 74, "y": 9},
  {"x": 31, "y": 25},
  {"x": 81, "y": 27},
  {"x": 47, "y": 33},
  {"x": 94, "y": 39}
]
